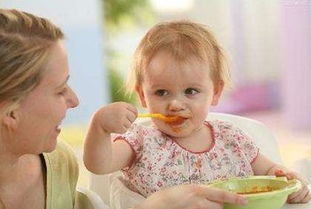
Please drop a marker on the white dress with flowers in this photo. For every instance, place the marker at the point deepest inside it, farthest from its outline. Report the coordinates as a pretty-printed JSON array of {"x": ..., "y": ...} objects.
[{"x": 161, "y": 162}]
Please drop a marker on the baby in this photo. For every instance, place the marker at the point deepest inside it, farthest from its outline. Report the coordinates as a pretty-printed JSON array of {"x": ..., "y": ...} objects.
[{"x": 179, "y": 70}]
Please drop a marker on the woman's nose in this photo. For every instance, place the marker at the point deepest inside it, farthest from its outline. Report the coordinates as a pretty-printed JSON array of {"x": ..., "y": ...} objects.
[
  {"x": 73, "y": 100},
  {"x": 176, "y": 105}
]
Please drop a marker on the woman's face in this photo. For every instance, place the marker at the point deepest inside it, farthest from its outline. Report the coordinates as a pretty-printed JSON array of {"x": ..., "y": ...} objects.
[{"x": 40, "y": 113}]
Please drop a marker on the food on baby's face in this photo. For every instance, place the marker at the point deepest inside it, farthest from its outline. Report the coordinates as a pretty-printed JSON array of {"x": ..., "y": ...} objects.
[
  {"x": 174, "y": 120},
  {"x": 175, "y": 123}
]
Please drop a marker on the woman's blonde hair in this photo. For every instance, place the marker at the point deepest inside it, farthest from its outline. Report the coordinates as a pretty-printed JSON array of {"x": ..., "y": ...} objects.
[
  {"x": 25, "y": 43},
  {"x": 183, "y": 40}
]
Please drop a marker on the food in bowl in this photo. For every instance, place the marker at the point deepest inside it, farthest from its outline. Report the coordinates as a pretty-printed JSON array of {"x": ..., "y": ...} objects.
[
  {"x": 257, "y": 189},
  {"x": 262, "y": 192}
]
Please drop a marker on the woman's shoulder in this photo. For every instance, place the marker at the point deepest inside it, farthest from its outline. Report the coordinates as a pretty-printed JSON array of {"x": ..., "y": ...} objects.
[
  {"x": 63, "y": 158},
  {"x": 62, "y": 175}
]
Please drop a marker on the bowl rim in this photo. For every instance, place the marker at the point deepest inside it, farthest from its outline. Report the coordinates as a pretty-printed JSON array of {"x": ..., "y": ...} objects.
[{"x": 293, "y": 186}]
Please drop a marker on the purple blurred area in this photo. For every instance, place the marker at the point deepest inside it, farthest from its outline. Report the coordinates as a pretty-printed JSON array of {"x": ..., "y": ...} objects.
[
  {"x": 289, "y": 44},
  {"x": 251, "y": 97}
]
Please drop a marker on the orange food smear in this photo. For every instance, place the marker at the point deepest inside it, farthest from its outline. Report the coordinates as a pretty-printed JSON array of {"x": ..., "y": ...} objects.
[
  {"x": 172, "y": 119},
  {"x": 176, "y": 129},
  {"x": 256, "y": 190}
]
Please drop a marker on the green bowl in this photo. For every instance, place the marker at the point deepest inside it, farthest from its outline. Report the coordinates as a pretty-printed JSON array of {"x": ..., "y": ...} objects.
[{"x": 262, "y": 192}]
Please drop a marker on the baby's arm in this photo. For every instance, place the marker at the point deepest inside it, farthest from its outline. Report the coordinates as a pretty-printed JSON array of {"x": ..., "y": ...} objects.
[
  {"x": 102, "y": 156},
  {"x": 263, "y": 166}
]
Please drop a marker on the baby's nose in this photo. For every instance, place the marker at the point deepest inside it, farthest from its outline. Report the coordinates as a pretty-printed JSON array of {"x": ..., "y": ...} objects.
[{"x": 176, "y": 105}]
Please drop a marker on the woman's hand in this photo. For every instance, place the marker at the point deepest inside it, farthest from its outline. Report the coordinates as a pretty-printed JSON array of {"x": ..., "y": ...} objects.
[
  {"x": 191, "y": 196},
  {"x": 116, "y": 117},
  {"x": 301, "y": 196}
]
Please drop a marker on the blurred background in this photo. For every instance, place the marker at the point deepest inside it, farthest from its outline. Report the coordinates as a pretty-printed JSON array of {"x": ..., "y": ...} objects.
[{"x": 268, "y": 45}]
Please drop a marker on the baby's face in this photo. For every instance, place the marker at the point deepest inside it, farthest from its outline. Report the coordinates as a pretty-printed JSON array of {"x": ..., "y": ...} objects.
[{"x": 176, "y": 88}]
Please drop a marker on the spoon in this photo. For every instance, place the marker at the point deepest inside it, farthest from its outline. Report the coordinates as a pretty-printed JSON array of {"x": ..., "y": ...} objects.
[{"x": 168, "y": 119}]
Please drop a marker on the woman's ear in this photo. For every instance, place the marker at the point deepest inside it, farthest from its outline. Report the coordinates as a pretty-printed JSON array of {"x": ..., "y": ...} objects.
[
  {"x": 10, "y": 119},
  {"x": 217, "y": 92},
  {"x": 141, "y": 96}
]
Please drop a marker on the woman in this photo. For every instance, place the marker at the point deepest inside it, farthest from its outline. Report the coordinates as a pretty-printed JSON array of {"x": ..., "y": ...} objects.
[
  {"x": 34, "y": 98},
  {"x": 36, "y": 171}
]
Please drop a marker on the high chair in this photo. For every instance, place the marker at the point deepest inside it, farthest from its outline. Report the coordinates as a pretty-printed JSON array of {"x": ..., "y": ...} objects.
[
  {"x": 87, "y": 199},
  {"x": 109, "y": 186}
]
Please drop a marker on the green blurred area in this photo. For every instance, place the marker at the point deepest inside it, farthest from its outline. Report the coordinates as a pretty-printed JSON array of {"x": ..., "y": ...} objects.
[
  {"x": 121, "y": 16},
  {"x": 124, "y": 14}
]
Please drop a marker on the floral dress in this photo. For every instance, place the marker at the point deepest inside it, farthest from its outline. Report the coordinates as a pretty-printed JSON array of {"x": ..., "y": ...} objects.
[{"x": 161, "y": 162}]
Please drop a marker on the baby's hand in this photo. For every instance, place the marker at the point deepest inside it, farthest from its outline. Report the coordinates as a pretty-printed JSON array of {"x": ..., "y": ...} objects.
[
  {"x": 301, "y": 196},
  {"x": 116, "y": 117}
]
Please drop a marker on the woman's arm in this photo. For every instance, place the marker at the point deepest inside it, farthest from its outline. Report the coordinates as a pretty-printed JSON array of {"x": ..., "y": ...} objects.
[{"x": 191, "y": 196}]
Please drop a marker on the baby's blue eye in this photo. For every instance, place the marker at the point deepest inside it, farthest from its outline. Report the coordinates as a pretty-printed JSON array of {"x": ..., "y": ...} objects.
[
  {"x": 191, "y": 91},
  {"x": 161, "y": 92}
]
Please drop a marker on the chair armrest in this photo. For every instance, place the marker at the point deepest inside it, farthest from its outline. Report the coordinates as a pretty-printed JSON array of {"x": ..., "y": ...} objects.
[
  {"x": 303, "y": 167},
  {"x": 295, "y": 206},
  {"x": 87, "y": 199}
]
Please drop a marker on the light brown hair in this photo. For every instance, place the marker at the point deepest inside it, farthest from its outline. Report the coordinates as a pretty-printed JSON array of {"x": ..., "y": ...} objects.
[
  {"x": 183, "y": 40},
  {"x": 25, "y": 43}
]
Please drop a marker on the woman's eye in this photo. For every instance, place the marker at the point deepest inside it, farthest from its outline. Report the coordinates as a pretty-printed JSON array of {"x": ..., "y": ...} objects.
[
  {"x": 161, "y": 92},
  {"x": 191, "y": 91}
]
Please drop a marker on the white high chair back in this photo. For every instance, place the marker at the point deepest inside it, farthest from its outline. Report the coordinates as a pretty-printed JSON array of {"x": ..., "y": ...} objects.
[
  {"x": 105, "y": 185},
  {"x": 87, "y": 199}
]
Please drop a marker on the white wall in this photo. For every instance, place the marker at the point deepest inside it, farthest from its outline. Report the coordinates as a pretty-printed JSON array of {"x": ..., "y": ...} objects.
[{"x": 81, "y": 21}]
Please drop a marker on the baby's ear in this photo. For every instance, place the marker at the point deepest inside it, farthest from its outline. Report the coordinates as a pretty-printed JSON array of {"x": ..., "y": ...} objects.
[
  {"x": 217, "y": 92},
  {"x": 140, "y": 93}
]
